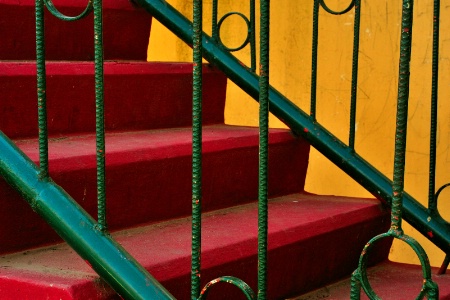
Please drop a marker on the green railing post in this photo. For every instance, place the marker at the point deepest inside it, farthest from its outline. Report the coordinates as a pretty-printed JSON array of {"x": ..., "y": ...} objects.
[
  {"x": 263, "y": 148},
  {"x": 100, "y": 115},
  {"x": 429, "y": 288},
  {"x": 41, "y": 89},
  {"x": 196, "y": 150}
]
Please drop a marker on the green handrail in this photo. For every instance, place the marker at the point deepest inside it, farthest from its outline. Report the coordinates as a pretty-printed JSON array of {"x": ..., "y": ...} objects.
[
  {"x": 76, "y": 227},
  {"x": 300, "y": 123}
]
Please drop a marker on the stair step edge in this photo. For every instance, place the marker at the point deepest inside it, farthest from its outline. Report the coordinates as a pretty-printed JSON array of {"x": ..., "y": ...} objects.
[{"x": 168, "y": 258}]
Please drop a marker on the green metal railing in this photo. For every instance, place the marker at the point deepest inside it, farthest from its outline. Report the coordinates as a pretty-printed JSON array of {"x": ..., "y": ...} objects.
[
  {"x": 403, "y": 205},
  {"x": 92, "y": 241}
]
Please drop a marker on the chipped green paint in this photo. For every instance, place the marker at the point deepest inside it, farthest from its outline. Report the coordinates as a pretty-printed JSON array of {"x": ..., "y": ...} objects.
[{"x": 241, "y": 285}]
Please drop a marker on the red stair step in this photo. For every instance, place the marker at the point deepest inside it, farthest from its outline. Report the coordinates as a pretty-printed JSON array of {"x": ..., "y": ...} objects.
[
  {"x": 126, "y": 31},
  {"x": 138, "y": 95},
  {"x": 389, "y": 280},
  {"x": 303, "y": 228},
  {"x": 149, "y": 176}
]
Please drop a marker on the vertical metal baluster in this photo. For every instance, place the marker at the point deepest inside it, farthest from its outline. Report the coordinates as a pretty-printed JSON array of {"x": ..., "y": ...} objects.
[
  {"x": 100, "y": 115},
  {"x": 263, "y": 149},
  {"x": 402, "y": 117},
  {"x": 215, "y": 28},
  {"x": 253, "y": 35},
  {"x": 314, "y": 59},
  {"x": 355, "y": 60},
  {"x": 196, "y": 150},
  {"x": 432, "y": 204},
  {"x": 41, "y": 89}
]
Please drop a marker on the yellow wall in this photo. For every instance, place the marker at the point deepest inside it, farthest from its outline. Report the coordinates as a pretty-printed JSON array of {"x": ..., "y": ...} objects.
[{"x": 377, "y": 90}]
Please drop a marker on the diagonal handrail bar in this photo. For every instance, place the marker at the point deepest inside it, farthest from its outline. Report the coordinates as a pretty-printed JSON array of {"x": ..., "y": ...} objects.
[
  {"x": 113, "y": 263},
  {"x": 300, "y": 123}
]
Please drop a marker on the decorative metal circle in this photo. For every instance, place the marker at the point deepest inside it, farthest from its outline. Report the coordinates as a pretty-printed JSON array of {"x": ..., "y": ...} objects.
[
  {"x": 245, "y": 288},
  {"x": 439, "y": 191},
  {"x": 247, "y": 40},
  {"x": 333, "y": 12},
  {"x": 54, "y": 11},
  {"x": 428, "y": 286}
]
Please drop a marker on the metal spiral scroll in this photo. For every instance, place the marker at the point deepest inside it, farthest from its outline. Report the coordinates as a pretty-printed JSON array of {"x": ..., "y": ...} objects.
[
  {"x": 333, "y": 12},
  {"x": 359, "y": 277},
  {"x": 241, "y": 285},
  {"x": 251, "y": 31},
  {"x": 51, "y": 7}
]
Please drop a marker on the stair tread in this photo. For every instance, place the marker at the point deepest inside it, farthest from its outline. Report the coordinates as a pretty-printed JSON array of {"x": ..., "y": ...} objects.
[
  {"x": 165, "y": 143},
  {"x": 228, "y": 235},
  {"x": 390, "y": 280}
]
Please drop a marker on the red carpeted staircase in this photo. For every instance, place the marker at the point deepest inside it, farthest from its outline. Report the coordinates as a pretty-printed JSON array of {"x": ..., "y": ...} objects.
[{"x": 313, "y": 240}]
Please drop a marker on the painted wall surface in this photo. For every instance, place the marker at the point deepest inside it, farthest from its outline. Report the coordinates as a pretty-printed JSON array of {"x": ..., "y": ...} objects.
[{"x": 291, "y": 35}]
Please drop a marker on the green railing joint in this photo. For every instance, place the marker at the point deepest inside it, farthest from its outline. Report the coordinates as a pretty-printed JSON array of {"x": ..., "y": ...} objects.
[{"x": 197, "y": 150}]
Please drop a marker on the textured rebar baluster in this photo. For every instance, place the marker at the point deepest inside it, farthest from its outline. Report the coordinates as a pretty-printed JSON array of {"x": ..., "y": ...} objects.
[
  {"x": 41, "y": 89},
  {"x": 429, "y": 288},
  {"x": 432, "y": 203},
  {"x": 196, "y": 150},
  {"x": 263, "y": 148},
  {"x": 355, "y": 60},
  {"x": 444, "y": 266},
  {"x": 402, "y": 117},
  {"x": 100, "y": 115},
  {"x": 315, "y": 40},
  {"x": 253, "y": 35},
  {"x": 355, "y": 286},
  {"x": 215, "y": 28}
]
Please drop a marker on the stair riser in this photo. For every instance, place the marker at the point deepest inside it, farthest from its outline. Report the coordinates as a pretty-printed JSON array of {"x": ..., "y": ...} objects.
[
  {"x": 156, "y": 189},
  {"x": 136, "y": 97},
  {"x": 126, "y": 32}
]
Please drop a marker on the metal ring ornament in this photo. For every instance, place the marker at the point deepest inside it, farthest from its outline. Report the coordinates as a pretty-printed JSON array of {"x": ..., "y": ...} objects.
[
  {"x": 436, "y": 196},
  {"x": 241, "y": 285},
  {"x": 333, "y": 12},
  {"x": 54, "y": 11},
  {"x": 429, "y": 288},
  {"x": 247, "y": 40}
]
